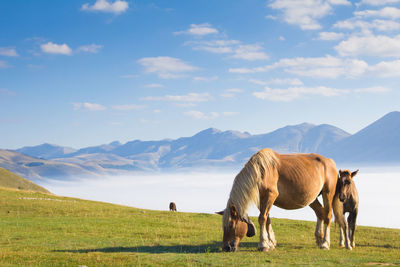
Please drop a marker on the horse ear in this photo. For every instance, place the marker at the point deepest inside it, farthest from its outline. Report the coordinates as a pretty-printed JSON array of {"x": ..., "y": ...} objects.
[
  {"x": 354, "y": 173},
  {"x": 340, "y": 172},
  {"x": 251, "y": 229},
  {"x": 234, "y": 213},
  {"x": 220, "y": 212}
]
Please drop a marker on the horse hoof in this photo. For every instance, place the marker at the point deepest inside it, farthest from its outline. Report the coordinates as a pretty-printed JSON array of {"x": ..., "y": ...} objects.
[
  {"x": 353, "y": 244},
  {"x": 341, "y": 245},
  {"x": 264, "y": 249},
  {"x": 325, "y": 246}
]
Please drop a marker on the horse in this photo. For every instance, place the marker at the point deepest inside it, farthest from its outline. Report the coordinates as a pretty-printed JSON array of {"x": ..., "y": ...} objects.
[
  {"x": 172, "y": 206},
  {"x": 288, "y": 181},
  {"x": 346, "y": 200}
]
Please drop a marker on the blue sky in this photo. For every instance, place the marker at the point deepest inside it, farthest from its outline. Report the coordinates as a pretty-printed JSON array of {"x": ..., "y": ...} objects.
[{"x": 87, "y": 72}]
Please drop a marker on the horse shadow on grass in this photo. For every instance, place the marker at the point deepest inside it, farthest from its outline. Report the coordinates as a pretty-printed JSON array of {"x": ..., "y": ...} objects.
[
  {"x": 214, "y": 247},
  {"x": 156, "y": 249}
]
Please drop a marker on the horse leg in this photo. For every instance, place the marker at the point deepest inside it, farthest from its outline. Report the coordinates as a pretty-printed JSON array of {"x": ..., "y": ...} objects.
[
  {"x": 327, "y": 196},
  {"x": 319, "y": 212},
  {"x": 341, "y": 220},
  {"x": 270, "y": 231},
  {"x": 267, "y": 199},
  {"x": 352, "y": 225}
]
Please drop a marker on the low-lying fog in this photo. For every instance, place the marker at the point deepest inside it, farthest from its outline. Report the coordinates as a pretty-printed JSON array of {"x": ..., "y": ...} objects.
[{"x": 208, "y": 192}]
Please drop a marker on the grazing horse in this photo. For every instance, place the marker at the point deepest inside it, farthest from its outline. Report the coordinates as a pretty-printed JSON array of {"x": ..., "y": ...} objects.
[
  {"x": 172, "y": 206},
  {"x": 289, "y": 181},
  {"x": 346, "y": 200}
]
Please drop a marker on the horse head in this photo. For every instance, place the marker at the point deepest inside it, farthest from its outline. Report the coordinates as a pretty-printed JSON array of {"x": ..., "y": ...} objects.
[
  {"x": 235, "y": 228},
  {"x": 345, "y": 183}
]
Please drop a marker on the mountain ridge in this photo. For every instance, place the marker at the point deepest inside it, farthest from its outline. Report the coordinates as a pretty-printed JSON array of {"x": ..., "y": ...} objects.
[{"x": 377, "y": 143}]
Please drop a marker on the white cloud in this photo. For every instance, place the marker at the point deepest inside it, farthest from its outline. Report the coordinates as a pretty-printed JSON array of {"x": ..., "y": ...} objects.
[
  {"x": 317, "y": 67},
  {"x": 117, "y": 7},
  {"x": 367, "y": 26},
  {"x": 230, "y": 113},
  {"x": 191, "y": 97},
  {"x": 340, "y": 2},
  {"x": 88, "y": 106},
  {"x": 250, "y": 52},
  {"x": 200, "y": 115},
  {"x": 379, "y": 2},
  {"x": 199, "y": 30},
  {"x": 205, "y": 79},
  {"x": 128, "y": 107},
  {"x": 371, "y": 45},
  {"x": 374, "y": 89},
  {"x": 291, "y": 93},
  {"x": 92, "y": 48},
  {"x": 52, "y": 48},
  {"x": 154, "y": 85},
  {"x": 386, "y": 69},
  {"x": 330, "y": 36},
  {"x": 386, "y": 12},
  {"x": 302, "y": 13},
  {"x": 165, "y": 67},
  {"x": 8, "y": 52}
]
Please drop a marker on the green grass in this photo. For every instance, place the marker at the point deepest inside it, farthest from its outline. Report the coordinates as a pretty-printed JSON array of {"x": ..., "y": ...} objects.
[
  {"x": 46, "y": 230},
  {"x": 11, "y": 180}
]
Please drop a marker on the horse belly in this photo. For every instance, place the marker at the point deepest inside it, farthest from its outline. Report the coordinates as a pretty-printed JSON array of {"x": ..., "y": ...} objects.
[{"x": 296, "y": 197}]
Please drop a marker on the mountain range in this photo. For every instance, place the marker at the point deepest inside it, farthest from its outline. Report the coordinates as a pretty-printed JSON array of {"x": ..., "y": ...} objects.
[{"x": 376, "y": 144}]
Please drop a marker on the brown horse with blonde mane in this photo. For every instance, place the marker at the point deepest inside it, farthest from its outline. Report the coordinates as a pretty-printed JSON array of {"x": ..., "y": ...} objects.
[{"x": 288, "y": 181}]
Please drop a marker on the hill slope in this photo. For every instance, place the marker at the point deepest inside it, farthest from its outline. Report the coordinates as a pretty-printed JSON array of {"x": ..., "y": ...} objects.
[
  {"x": 48, "y": 230},
  {"x": 378, "y": 142},
  {"x": 11, "y": 180}
]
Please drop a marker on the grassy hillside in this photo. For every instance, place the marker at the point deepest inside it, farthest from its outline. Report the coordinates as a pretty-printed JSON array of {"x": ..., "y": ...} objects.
[
  {"x": 11, "y": 180},
  {"x": 46, "y": 230}
]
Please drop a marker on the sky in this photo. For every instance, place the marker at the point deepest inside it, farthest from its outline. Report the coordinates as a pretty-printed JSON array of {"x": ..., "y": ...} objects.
[{"x": 88, "y": 72}]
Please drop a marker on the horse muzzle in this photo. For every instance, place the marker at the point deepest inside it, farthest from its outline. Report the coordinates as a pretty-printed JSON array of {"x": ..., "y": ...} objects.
[{"x": 230, "y": 247}]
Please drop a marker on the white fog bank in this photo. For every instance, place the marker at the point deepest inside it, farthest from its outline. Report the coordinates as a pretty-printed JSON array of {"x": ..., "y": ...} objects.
[{"x": 208, "y": 192}]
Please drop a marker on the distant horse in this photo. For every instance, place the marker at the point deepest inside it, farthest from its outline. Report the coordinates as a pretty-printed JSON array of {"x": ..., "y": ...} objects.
[
  {"x": 290, "y": 181},
  {"x": 172, "y": 206},
  {"x": 346, "y": 200}
]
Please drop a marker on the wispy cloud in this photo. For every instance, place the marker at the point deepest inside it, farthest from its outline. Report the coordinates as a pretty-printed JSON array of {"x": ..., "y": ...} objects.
[
  {"x": 200, "y": 115},
  {"x": 386, "y": 69},
  {"x": 288, "y": 81},
  {"x": 320, "y": 67},
  {"x": 330, "y": 36},
  {"x": 154, "y": 85},
  {"x": 370, "y": 45},
  {"x": 374, "y": 89},
  {"x": 166, "y": 67},
  {"x": 291, "y": 93},
  {"x": 250, "y": 52},
  {"x": 199, "y": 30},
  {"x": 231, "y": 92},
  {"x": 128, "y": 107},
  {"x": 52, "y": 48},
  {"x": 88, "y": 106},
  {"x": 379, "y": 2},
  {"x": 117, "y": 7},
  {"x": 305, "y": 14},
  {"x": 92, "y": 48},
  {"x": 191, "y": 97},
  {"x": 8, "y": 52},
  {"x": 4, "y": 64},
  {"x": 205, "y": 79}
]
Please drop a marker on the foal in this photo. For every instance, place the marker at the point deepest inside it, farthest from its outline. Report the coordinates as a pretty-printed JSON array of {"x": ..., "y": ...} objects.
[{"x": 346, "y": 200}]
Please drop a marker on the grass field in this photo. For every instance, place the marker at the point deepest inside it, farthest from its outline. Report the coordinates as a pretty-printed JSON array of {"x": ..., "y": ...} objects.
[{"x": 46, "y": 230}]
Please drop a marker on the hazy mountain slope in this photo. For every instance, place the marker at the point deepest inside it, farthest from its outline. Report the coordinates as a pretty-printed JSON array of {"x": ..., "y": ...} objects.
[
  {"x": 46, "y": 151},
  {"x": 379, "y": 142},
  {"x": 11, "y": 180},
  {"x": 34, "y": 168}
]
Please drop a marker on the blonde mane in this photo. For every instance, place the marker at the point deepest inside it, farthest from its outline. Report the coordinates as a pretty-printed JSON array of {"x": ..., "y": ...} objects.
[{"x": 245, "y": 188}]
